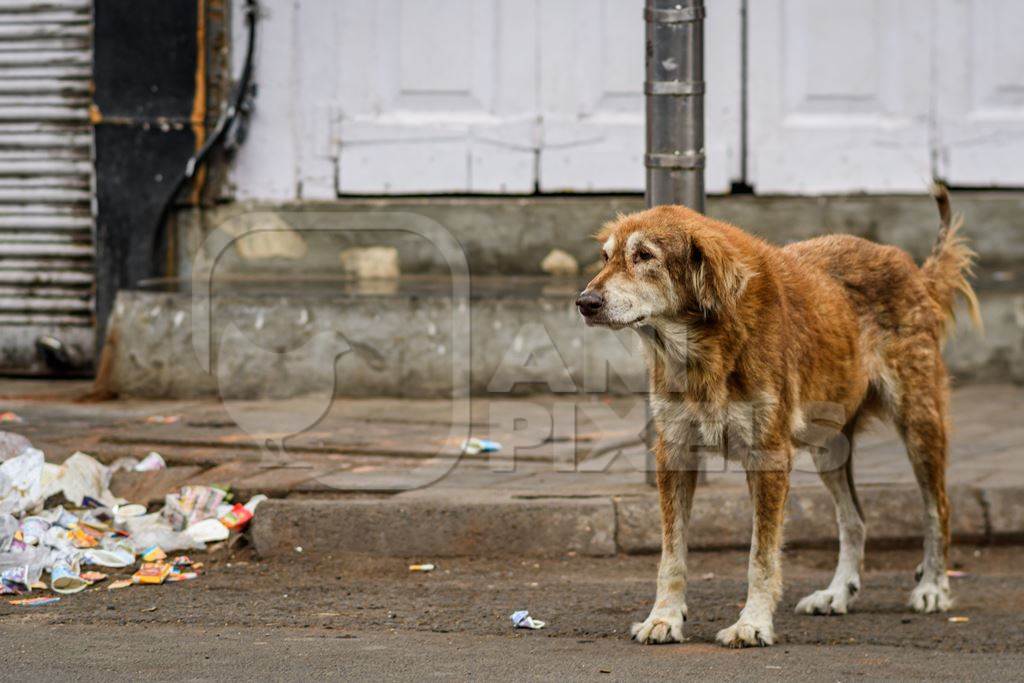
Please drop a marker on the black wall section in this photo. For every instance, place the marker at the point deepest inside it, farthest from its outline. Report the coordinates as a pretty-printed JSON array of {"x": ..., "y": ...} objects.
[{"x": 144, "y": 71}]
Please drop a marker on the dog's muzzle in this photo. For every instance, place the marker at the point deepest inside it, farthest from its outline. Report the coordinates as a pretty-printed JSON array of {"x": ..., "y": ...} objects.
[{"x": 590, "y": 303}]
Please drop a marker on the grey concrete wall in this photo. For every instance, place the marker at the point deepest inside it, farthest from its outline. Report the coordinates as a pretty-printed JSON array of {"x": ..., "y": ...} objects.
[
  {"x": 512, "y": 235},
  {"x": 372, "y": 344},
  {"x": 305, "y": 330}
]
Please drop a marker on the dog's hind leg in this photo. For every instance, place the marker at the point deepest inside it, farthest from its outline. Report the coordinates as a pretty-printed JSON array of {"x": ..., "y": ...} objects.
[
  {"x": 922, "y": 421},
  {"x": 768, "y": 480},
  {"x": 835, "y": 466},
  {"x": 677, "y": 479}
]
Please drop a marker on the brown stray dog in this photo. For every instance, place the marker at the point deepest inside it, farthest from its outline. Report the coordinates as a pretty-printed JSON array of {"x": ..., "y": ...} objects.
[{"x": 751, "y": 348}]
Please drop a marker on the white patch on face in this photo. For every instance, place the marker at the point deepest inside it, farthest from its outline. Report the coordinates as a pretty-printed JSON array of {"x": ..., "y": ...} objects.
[
  {"x": 637, "y": 240},
  {"x": 609, "y": 246},
  {"x": 634, "y": 298},
  {"x": 628, "y": 301}
]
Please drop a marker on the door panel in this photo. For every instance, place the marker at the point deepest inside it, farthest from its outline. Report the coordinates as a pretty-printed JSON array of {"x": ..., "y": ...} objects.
[
  {"x": 839, "y": 95},
  {"x": 491, "y": 96},
  {"x": 437, "y": 96},
  {"x": 980, "y": 92},
  {"x": 592, "y": 102}
]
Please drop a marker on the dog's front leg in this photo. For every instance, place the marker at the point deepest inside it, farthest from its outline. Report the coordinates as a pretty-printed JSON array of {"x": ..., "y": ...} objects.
[
  {"x": 769, "y": 486},
  {"x": 677, "y": 479}
]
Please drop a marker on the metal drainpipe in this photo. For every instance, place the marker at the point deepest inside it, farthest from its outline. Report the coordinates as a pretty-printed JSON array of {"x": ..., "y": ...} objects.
[{"x": 674, "y": 89}]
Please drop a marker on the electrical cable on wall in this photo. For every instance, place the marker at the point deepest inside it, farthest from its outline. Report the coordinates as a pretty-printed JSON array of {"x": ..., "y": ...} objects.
[{"x": 230, "y": 130}]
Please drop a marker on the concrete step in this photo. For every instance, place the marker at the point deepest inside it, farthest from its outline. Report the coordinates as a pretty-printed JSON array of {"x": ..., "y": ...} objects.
[
  {"x": 432, "y": 526},
  {"x": 424, "y": 337}
]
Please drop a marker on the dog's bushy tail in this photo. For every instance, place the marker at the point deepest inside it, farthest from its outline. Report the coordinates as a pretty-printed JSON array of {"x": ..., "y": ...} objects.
[{"x": 951, "y": 262}]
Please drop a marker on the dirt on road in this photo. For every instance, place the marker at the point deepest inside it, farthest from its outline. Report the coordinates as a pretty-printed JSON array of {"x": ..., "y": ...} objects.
[{"x": 584, "y": 599}]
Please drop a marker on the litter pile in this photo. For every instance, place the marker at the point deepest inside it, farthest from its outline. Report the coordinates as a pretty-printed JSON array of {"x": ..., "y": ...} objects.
[{"x": 93, "y": 528}]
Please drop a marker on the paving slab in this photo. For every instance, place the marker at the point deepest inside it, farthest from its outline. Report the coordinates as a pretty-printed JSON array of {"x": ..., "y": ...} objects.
[
  {"x": 151, "y": 487},
  {"x": 370, "y": 462}
]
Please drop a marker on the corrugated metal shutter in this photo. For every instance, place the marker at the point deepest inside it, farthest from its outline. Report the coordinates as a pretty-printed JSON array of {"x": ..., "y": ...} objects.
[{"x": 46, "y": 178}]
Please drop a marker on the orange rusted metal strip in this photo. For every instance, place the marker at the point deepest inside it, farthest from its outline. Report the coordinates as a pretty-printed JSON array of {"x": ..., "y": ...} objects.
[{"x": 198, "y": 118}]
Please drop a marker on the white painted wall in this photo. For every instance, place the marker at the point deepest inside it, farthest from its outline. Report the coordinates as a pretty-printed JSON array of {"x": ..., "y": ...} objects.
[{"x": 514, "y": 96}]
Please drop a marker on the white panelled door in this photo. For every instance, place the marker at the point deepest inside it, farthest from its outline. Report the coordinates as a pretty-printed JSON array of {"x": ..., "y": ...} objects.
[
  {"x": 512, "y": 96},
  {"x": 436, "y": 96},
  {"x": 592, "y": 101},
  {"x": 839, "y": 95},
  {"x": 979, "y": 53},
  {"x": 723, "y": 42},
  {"x": 467, "y": 96}
]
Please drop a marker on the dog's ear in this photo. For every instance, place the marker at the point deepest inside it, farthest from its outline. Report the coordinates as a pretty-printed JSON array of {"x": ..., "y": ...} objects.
[{"x": 714, "y": 274}]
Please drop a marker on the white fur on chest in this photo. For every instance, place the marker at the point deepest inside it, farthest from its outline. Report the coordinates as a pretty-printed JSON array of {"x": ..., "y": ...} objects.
[{"x": 680, "y": 420}]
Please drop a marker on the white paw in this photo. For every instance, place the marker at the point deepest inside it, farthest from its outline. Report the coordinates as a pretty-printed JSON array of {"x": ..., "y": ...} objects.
[
  {"x": 746, "y": 633},
  {"x": 662, "y": 626},
  {"x": 832, "y": 600},
  {"x": 930, "y": 596}
]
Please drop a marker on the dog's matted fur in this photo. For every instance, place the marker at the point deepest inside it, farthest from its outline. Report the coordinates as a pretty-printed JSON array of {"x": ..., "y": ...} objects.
[{"x": 756, "y": 350}]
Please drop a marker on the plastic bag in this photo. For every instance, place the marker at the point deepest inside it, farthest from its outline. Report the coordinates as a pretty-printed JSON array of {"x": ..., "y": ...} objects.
[
  {"x": 21, "y": 482},
  {"x": 153, "y": 461},
  {"x": 125, "y": 464},
  {"x": 153, "y": 529},
  {"x": 24, "y": 567},
  {"x": 208, "y": 531},
  {"x": 8, "y": 527},
  {"x": 12, "y": 445},
  {"x": 82, "y": 476}
]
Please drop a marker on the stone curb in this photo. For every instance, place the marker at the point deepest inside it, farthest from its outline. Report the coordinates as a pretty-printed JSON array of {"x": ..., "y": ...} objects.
[
  {"x": 725, "y": 519},
  {"x": 437, "y": 527},
  {"x": 489, "y": 526}
]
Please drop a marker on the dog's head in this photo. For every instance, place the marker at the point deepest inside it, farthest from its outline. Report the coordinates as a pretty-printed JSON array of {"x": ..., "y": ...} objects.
[{"x": 663, "y": 263}]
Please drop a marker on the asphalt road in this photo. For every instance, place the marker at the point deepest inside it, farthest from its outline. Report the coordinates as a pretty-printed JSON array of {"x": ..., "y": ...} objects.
[{"x": 372, "y": 619}]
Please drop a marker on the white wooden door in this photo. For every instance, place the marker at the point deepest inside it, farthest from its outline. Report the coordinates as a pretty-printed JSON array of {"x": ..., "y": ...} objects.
[
  {"x": 592, "y": 101},
  {"x": 466, "y": 96},
  {"x": 391, "y": 97},
  {"x": 839, "y": 95},
  {"x": 979, "y": 93},
  {"x": 437, "y": 96}
]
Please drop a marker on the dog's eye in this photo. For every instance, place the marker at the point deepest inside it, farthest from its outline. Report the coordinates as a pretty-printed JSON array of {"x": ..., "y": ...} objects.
[
  {"x": 605, "y": 255},
  {"x": 643, "y": 255}
]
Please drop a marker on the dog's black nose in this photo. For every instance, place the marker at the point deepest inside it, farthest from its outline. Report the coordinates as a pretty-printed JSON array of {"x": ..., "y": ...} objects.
[{"x": 590, "y": 302}]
